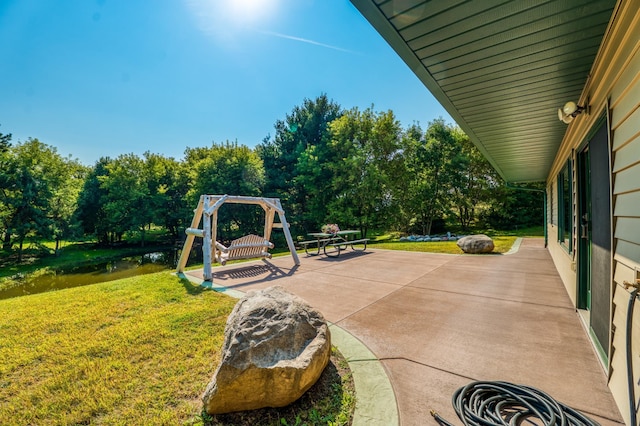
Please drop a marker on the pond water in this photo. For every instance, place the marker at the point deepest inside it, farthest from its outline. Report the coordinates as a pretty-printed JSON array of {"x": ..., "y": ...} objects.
[{"x": 100, "y": 272}]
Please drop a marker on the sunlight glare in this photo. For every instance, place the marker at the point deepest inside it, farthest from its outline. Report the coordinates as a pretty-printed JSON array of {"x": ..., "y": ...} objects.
[
  {"x": 251, "y": 11},
  {"x": 227, "y": 19}
]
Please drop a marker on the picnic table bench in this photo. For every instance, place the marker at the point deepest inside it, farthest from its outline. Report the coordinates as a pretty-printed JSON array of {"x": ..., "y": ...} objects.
[{"x": 336, "y": 242}]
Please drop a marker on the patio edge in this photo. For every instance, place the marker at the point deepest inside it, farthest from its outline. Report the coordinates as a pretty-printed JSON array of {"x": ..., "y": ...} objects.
[
  {"x": 375, "y": 398},
  {"x": 516, "y": 246}
]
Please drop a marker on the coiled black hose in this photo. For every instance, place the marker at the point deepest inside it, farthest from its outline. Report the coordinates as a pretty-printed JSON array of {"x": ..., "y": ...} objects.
[{"x": 503, "y": 403}]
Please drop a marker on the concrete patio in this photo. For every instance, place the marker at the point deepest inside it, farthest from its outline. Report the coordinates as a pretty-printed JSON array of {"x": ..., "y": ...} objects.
[{"x": 436, "y": 322}]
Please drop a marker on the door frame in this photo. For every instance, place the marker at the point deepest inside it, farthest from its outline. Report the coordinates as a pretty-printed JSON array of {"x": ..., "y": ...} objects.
[
  {"x": 583, "y": 245},
  {"x": 583, "y": 226}
]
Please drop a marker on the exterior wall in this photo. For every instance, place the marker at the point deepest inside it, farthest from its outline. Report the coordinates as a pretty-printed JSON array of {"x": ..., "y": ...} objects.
[
  {"x": 613, "y": 88},
  {"x": 564, "y": 261},
  {"x": 625, "y": 127}
]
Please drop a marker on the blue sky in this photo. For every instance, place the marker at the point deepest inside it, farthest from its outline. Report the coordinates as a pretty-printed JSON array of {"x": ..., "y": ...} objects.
[{"x": 107, "y": 77}]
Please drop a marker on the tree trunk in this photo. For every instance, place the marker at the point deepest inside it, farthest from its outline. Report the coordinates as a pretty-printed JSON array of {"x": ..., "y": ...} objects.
[
  {"x": 20, "y": 250},
  {"x": 6, "y": 242},
  {"x": 427, "y": 225}
]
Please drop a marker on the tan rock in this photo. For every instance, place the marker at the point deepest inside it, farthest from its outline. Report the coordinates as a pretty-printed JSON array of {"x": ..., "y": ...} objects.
[
  {"x": 275, "y": 348},
  {"x": 478, "y": 243}
]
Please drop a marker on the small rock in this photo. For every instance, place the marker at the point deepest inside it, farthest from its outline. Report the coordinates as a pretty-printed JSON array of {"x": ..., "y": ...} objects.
[
  {"x": 275, "y": 348},
  {"x": 475, "y": 244}
]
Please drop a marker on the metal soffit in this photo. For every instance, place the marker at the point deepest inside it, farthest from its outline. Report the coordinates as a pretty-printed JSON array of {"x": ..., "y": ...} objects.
[{"x": 500, "y": 68}]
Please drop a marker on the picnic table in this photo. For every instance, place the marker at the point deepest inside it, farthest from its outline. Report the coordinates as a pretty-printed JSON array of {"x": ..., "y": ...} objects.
[{"x": 335, "y": 242}]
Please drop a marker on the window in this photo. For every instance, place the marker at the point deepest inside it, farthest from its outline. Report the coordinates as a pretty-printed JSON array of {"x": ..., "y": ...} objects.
[{"x": 565, "y": 211}]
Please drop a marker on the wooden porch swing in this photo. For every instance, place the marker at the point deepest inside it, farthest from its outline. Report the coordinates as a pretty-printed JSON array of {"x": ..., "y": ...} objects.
[{"x": 247, "y": 247}]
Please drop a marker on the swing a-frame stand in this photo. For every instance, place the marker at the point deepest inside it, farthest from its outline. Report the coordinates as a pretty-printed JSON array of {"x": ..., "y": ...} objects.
[{"x": 247, "y": 247}]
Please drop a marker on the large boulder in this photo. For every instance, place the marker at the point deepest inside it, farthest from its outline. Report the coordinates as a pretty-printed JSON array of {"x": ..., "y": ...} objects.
[
  {"x": 275, "y": 348},
  {"x": 478, "y": 243}
]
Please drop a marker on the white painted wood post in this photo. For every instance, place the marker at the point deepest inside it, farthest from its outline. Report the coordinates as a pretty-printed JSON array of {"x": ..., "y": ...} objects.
[
  {"x": 287, "y": 232},
  {"x": 269, "y": 215},
  {"x": 188, "y": 242},
  {"x": 207, "y": 241}
]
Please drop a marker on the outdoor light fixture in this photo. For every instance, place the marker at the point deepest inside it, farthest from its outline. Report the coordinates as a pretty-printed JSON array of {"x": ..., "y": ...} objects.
[{"x": 569, "y": 111}]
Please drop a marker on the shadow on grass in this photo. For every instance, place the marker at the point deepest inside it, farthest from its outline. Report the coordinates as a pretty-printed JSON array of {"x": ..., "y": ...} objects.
[{"x": 192, "y": 288}]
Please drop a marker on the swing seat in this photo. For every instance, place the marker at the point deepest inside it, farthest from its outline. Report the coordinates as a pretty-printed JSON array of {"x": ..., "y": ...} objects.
[{"x": 247, "y": 247}]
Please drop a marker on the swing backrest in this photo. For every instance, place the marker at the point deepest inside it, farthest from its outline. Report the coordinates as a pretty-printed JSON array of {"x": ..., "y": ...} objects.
[{"x": 247, "y": 247}]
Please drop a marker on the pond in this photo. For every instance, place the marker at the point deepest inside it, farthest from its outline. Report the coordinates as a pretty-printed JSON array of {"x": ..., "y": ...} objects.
[{"x": 100, "y": 272}]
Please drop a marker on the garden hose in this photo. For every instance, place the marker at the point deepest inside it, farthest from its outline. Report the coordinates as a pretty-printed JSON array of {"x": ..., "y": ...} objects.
[
  {"x": 633, "y": 408},
  {"x": 503, "y": 403}
]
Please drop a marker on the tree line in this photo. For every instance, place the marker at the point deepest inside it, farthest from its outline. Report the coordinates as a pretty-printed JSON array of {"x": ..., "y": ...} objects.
[{"x": 357, "y": 168}]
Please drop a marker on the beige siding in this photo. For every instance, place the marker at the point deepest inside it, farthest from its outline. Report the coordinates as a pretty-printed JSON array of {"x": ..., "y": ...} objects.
[
  {"x": 627, "y": 130},
  {"x": 625, "y": 126},
  {"x": 562, "y": 258},
  {"x": 628, "y": 229},
  {"x": 627, "y": 204},
  {"x": 564, "y": 262},
  {"x": 626, "y": 180},
  {"x": 627, "y": 94},
  {"x": 627, "y": 252},
  {"x": 614, "y": 82},
  {"x": 628, "y": 155}
]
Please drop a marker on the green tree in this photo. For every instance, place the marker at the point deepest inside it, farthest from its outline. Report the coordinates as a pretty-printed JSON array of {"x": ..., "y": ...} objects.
[
  {"x": 65, "y": 200},
  {"x": 115, "y": 199},
  {"x": 5, "y": 142},
  {"x": 366, "y": 160},
  {"x": 5, "y": 181},
  {"x": 33, "y": 175},
  {"x": 90, "y": 212},
  {"x": 296, "y": 161},
  {"x": 167, "y": 186},
  {"x": 126, "y": 200},
  {"x": 431, "y": 168},
  {"x": 474, "y": 180},
  {"x": 227, "y": 169},
  {"x": 515, "y": 206}
]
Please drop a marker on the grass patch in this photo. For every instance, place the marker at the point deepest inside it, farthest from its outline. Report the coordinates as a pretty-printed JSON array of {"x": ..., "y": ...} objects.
[
  {"x": 502, "y": 240},
  {"x": 502, "y": 244},
  {"x": 529, "y": 232},
  {"x": 134, "y": 351}
]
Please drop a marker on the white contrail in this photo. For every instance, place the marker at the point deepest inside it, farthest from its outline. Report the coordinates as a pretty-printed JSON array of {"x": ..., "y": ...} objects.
[{"x": 305, "y": 40}]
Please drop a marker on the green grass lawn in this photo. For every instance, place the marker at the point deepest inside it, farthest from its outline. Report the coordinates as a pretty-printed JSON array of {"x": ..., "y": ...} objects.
[
  {"x": 133, "y": 351},
  {"x": 136, "y": 351},
  {"x": 503, "y": 241},
  {"x": 501, "y": 245}
]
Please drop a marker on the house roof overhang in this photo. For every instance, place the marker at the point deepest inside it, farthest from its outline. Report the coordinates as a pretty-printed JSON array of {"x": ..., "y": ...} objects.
[{"x": 500, "y": 68}]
